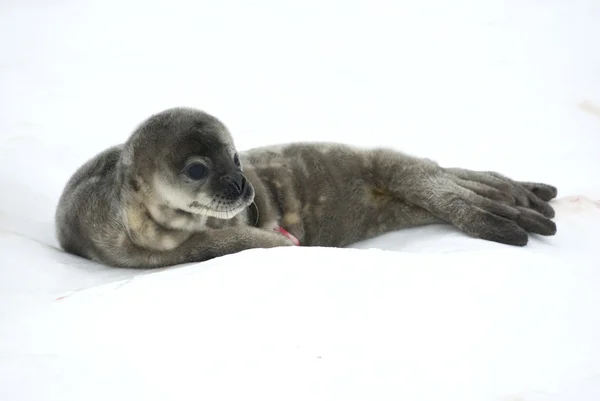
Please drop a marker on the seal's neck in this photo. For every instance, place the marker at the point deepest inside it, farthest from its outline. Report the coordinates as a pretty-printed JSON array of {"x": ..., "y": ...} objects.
[{"x": 174, "y": 219}]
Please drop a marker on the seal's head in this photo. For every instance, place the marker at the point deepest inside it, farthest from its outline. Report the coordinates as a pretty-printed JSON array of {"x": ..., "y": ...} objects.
[{"x": 185, "y": 159}]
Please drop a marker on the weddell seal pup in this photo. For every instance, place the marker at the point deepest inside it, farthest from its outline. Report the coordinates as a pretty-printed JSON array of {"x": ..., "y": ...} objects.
[{"x": 178, "y": 191}]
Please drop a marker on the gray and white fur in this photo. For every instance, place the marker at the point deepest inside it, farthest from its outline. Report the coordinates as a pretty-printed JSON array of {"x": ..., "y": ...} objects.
[{"x": 177, "y": 192}]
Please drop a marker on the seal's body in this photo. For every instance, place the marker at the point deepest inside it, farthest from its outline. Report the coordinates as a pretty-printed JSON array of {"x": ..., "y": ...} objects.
[{"x": 177, "y": 192}]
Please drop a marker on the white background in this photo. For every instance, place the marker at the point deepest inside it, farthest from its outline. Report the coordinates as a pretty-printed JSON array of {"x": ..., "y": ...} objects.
[{"x": 512, "y": 86}]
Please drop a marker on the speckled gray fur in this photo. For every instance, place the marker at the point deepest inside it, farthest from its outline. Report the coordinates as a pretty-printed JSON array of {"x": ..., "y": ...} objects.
[{"x": 132, "y": 206}]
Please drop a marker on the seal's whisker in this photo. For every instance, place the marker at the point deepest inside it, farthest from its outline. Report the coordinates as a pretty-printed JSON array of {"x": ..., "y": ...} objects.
[{"x": 257, "y": 213}]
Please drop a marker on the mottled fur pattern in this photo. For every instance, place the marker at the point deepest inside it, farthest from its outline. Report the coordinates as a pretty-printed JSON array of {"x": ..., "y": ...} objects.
[{"x": 132, "y": 206}]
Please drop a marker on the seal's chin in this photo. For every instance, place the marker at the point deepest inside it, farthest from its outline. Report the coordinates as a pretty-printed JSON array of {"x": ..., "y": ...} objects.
[
  {"x": 219, "y": 211},
  {"x": 225, "y": 214}
]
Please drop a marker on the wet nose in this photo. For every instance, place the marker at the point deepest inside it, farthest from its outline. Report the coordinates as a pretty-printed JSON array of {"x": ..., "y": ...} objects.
[{"x": 236, "y": 182}]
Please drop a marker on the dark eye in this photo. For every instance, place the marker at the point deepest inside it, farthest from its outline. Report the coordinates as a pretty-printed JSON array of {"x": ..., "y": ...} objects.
[
  {"x": 196, "y": 171},
  {"x": 236, "y": 159}
]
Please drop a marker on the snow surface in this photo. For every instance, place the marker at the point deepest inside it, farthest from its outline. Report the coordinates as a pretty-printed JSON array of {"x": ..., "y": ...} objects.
[{"x": 422, "y": 314}]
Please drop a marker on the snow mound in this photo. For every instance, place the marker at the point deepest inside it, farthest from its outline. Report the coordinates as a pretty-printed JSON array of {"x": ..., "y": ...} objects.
[{"x": 315, "y": 323}]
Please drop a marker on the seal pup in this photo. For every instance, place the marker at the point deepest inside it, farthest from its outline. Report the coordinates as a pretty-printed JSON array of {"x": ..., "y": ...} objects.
[{"x": 178, "y": 191}]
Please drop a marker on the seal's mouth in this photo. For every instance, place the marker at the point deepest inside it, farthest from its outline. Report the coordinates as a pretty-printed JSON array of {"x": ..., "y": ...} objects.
[
  {"x": 219, "y": 209},
  {"x": 226, "y": 214},
  {"x": 233, "y": 196}
]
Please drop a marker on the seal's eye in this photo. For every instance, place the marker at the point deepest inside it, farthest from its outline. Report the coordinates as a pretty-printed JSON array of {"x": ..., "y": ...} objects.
[
  {"x": 236, "y": 159},
  {"x": 196, "y": 171}
]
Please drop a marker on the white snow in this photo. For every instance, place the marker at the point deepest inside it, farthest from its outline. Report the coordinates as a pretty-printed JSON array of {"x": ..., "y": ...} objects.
[{"x": 421, "y": 314}]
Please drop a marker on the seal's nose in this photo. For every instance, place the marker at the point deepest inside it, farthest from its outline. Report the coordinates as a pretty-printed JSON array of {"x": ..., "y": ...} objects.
[{"x": 236, "y": 181}]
